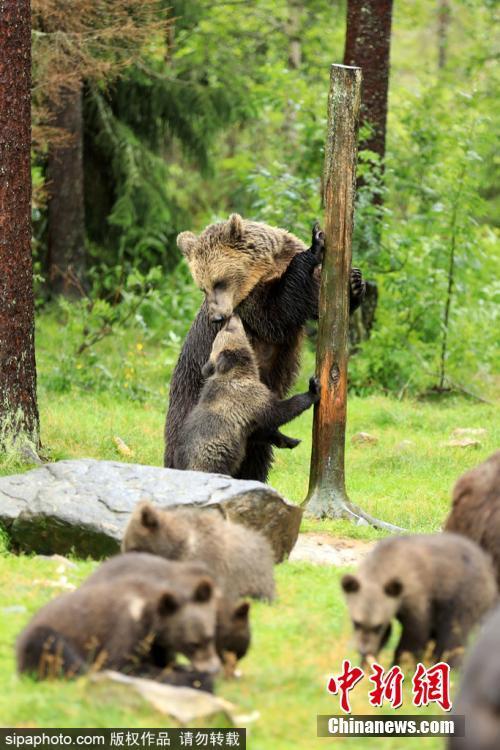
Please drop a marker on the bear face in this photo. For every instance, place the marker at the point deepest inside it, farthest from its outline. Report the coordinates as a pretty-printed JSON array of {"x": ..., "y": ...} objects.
[
  {"x": 230, "y": 258},
  {"x": 231, "y": 349},
  {"x": 146, "y": 532},
  {"x": 372, "y": 607},
  {"x": 194, "y": 630}
]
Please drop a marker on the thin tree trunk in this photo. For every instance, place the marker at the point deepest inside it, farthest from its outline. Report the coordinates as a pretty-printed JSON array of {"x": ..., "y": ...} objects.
[
  {"x": 327, "y": 493},
  {"x": 18, "y": 405},
  {"x": 444, "y": 14},
  {"x": 66, "y": 212},
  {"x": 367, "y": 45}
]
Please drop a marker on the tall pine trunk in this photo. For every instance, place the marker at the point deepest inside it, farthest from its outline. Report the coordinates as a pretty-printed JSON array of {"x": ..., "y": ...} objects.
[
  {"x": 18, "y": 405},
  {"x": 66, "y": 212},
  {"x": 367, "y": 45}
]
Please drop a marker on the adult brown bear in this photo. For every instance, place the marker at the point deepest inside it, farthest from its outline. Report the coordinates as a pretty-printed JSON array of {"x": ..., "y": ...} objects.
[{"x": 270, "y": 278}]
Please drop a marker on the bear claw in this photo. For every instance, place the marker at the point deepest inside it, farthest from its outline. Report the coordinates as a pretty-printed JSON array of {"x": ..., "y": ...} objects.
[
  {"x": 317, "y": 243},
  {"x": 314, "y": 386}
]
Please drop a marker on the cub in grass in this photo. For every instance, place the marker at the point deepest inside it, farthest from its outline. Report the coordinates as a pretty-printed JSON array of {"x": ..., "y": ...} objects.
[
  {"x": 438, "y": 586},
  {"x": 131, "y": 625},
  {"x": 240, "y": 559},
  {"x": 232, "y": 635},
  {"x": 235, "y": 407}
]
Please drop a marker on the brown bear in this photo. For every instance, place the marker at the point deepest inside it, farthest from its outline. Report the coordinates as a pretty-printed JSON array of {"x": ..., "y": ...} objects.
[
  {"x": 438, "y": 586},
  {"x": 124, "y": 624},
  {"x": 478, "y": 697},
  {"x": 233, "y": 623},
  {"x": 475, "y": 511},
  {"x": 270, "y": 279},
  {"x": 234, "y": 403},
  {"x": 240, "y": 559}
]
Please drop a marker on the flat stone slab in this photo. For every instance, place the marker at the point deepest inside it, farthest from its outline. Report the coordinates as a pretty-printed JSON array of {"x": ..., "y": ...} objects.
[{"x": 83, "y": 506}]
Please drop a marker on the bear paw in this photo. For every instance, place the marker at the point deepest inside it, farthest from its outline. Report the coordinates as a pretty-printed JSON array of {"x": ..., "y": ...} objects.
[
  {"x": 317, "y": 243},
  {"x": 357, "y": 288},
  {"x": 314, "y": 386}
]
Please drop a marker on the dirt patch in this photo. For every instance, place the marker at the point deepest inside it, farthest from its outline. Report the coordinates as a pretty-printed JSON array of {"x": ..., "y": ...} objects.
[{"x": 326, "y": 549}]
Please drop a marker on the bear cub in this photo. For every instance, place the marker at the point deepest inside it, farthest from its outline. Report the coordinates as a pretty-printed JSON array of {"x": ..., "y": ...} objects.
[
  {"x": 438, "y": 587},
  {"x": 478, "y": 697},
  {"x": 235, "y": 406},
  {"x": 232, "y": 635},
  {"x": 475, "y": 511},
  {"x": 131, "y": 625},
  {"x": 240, "y": 559}
]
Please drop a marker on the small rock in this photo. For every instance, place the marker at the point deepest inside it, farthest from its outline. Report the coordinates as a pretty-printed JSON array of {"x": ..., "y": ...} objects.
[
  {"x": 122, "y": 447},
  {"x": 63, "y": 562},
  {"x": 14, "y": 609},
  {"x": 469, "y": 432},
  {"x": 364, "y": 437},
  {"x": 405, "y": 445},
  {"x": 463, "y": 443}
]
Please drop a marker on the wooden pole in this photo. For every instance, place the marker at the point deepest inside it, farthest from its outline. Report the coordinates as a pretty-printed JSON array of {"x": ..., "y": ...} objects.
[{"x": 327, "y": 493}]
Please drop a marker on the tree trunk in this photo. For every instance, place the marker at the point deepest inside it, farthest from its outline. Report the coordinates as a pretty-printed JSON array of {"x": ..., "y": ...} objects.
[
  {"x": 18, "y": 404},
  {"x": 66, "y": 213},
  {"x": 367, "y": 45},
  {"x": 444, "y": 14},
  {"x": 327, "y": 493}
]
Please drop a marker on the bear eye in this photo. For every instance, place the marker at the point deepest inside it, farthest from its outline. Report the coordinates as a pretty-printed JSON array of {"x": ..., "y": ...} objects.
[
  {"x": 376, "y": 629},
  {"x": 220, "y": 285},
  {"x": 357, "y": 625}
]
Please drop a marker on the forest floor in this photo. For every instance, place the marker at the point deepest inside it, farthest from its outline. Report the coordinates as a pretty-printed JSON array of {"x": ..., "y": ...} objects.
[{"x": 405, "y": 477}]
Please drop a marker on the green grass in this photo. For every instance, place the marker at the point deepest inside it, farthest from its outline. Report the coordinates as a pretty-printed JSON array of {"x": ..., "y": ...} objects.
[{"x": 305, "y": 635}]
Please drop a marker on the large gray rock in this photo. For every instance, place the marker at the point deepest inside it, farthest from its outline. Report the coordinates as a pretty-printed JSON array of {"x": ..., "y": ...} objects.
[{"x": 83, "y": 506}]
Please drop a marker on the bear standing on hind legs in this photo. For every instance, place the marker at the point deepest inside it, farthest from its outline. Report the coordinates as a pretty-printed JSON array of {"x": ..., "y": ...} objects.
[{"x": 271, "y": 280}]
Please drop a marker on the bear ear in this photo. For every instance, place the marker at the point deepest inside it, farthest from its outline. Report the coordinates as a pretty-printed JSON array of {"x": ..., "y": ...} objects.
[
  {"x": 241, "y": 611},
  {"x": 235, "y": 227},
  {"x": 167, "y": 604},
  {"x": 394, "y": 587},
  {"x": 203, "y": 591},
  {"x": 149, "y": 517},
  {"x": 208, "y": 369},
  {"x": 350, "y": 584},
  {"x": 186, "y": 242}
]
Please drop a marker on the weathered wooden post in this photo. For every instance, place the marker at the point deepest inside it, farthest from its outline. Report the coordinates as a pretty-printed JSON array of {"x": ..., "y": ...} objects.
[{"x": 327, "y": 493}]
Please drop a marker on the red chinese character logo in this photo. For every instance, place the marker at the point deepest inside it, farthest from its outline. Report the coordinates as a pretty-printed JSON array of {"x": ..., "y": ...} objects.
[
  {"x": 344, "y": 683},
  {"x": 432, "y": 685},
  {"x": 388, "y": 686}
]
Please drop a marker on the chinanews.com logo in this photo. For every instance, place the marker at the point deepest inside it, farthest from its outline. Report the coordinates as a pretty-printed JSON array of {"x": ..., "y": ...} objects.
[{"x": 430, "y": 686}]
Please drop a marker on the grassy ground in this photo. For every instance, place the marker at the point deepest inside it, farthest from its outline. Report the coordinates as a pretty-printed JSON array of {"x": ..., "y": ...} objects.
[{"x": 121, "y": 391}]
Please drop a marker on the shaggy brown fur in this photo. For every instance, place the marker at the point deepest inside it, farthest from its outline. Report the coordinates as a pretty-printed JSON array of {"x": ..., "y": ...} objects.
[
  {"x": 240, "y": 559},
  {"x": 128, "y": 624},
  {"x": 269, "y": 278},
  {"x": 478, "y": 698},
  {"x": 438, "y": 587},
  {"x": 233, "y": 622},
  {"x": 233, "y": 404},
  {"x": 475, "y": 509}
]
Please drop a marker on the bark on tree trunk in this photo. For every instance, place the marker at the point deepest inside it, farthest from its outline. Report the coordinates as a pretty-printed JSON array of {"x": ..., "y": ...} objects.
[
  {"x": 444, "y": 14},
  {"x": 66, "y": 213},
  {"x": 18, "y": 405},
  {"x": 367, "y": 45},
  {"x": 327, "y": 493}
]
